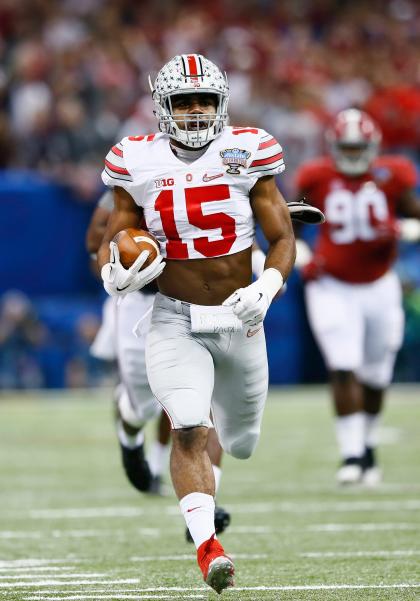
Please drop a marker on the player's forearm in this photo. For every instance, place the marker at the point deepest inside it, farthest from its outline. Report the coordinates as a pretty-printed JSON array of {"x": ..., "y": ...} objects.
[{"x": 281, "y": 255}]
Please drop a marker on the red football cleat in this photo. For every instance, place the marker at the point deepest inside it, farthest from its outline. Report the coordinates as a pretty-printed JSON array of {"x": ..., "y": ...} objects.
[{"x": 217, "y": 568}]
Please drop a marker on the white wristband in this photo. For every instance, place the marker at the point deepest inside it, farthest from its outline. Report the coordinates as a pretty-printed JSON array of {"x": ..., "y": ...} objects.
[{"x": 272, "y": 280}]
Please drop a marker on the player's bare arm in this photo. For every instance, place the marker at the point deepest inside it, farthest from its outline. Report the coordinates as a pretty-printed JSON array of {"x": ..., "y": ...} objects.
[
  {"x": 96, "y": 229},
  {"x": 271, "y": 212},
  {"x": 125, "y": 214},
  {"x": 95, "y": 234},
  {"x": 117, "y": 279}
]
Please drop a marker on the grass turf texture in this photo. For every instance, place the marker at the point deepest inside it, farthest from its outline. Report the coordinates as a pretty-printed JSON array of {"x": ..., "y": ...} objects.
[{"x": 71, "y": 527}]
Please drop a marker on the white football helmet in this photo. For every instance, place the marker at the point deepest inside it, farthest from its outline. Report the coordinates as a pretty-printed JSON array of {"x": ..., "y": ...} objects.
[
  {"x": 354, "y": 141},
  {"x": 190, "y": 74}
]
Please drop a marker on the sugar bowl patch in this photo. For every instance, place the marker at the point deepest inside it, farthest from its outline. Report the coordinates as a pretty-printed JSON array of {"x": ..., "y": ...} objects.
[{"x": 234, "y": 158}]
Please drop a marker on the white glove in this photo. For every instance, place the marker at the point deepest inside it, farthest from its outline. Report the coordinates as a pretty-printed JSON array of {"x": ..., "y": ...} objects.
[
  {"x": 251, "y": 304},
  {"x": 409, "y": 230},
  {"x": 120, "y": 281}
]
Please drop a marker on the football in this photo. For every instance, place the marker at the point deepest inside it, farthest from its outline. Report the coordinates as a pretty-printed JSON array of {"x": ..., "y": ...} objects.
[{"x": 131, "y": 242}]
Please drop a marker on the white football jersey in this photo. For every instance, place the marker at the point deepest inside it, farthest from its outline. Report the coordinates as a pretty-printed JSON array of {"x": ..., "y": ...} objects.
[{"x": 201, "y": 209}]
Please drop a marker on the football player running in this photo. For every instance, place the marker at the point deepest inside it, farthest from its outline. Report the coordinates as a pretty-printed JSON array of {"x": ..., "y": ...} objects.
[
  {"x": 353, "y": 297},
  {"x": 135, "y": 404},
  {"x": 200, "y": 186}
]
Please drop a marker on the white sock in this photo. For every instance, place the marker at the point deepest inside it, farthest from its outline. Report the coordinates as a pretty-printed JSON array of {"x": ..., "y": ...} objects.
[
  {"x": 157, "y": 458},
  {"x": 350, "y": 432},
  {"x": 217, "y": 477},
  {"x": 371, "y": 429},
  {"x": 130, "y": 441},
  {"x": 198, "y": 511}
]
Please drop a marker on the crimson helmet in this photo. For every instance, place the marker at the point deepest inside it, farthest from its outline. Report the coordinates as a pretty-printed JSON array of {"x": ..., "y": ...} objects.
[
  {"x": 190, "y": 74},
  {"x": 354, "y": 141}
]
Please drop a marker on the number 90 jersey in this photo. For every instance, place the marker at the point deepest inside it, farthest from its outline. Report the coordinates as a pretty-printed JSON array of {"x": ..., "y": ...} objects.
[
  {"x": 200, "y": 209},
  {"x": 358, "y": 241}
]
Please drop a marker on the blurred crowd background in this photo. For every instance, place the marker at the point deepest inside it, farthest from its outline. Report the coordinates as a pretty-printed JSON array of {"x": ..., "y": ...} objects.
[{"x": 73, "y": 80}]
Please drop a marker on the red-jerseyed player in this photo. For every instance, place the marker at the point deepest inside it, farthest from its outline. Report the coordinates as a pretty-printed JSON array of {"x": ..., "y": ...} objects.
[
  {"x": 353, "y": 297},
  {"x": 201, "y": 185}
]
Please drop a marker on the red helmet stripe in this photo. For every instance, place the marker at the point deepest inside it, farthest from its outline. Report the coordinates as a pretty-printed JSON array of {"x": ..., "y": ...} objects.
[{"x": 192, "y": 64}]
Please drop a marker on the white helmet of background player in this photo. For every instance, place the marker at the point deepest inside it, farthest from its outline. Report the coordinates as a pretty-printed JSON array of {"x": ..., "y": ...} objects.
[
  {"x": 354, "y": 141},
  {"x": 190, "y": 74}
]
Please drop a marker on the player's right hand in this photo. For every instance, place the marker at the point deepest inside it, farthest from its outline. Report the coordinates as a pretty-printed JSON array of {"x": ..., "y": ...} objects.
[{"x": 119, "y": 281}]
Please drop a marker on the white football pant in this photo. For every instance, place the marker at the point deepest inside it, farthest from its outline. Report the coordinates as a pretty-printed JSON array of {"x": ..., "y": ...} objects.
[
  {"x": 103, "y": 347},
  {"x": 358, "y": 327},
  {"x": 136, "y": 402},
  {"x": 191, "y": 374}
]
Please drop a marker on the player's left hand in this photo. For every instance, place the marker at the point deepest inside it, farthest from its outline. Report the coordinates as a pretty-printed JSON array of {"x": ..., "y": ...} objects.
[{"x": 251, "y": 304}]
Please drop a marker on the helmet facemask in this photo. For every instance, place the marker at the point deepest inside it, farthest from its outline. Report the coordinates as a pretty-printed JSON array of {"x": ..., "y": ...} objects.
[{"x": 190, "y": 74}]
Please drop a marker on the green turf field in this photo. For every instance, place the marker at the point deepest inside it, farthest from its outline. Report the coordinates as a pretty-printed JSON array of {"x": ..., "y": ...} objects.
[{"x": 72, "y": 528}]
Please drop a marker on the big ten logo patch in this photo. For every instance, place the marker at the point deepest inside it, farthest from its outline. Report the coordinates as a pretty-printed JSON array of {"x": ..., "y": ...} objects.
[{"x": 164, "y": 182}]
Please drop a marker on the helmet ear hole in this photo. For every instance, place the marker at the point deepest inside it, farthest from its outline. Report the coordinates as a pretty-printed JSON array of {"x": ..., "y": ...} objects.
[{"x": 190, "y": 74}]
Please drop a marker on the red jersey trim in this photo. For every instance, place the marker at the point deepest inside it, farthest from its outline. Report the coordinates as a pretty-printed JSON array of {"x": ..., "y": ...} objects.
[
  {"x": 116, "y": 169},
  {"x": 117, "y": 151},
  {"x": 273, "y": 159},
  {"x": 267, "y": 144}
]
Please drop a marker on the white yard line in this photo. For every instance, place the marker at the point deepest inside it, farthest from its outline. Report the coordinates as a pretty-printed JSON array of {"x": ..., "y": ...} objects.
[
  {"x": 29, "y": 534},
  {"x": 323, "y": 507},
  {"x": 107, "y": 596},
  {"x": 112, "y": 596},
  {"x": 88, "y": 512},
  {"x": 17, "y": 569},
  {"x": 14, "y": 534},
  {"x": 134, "y": 594},
  {"x": 61, "y": 576},
  {"x": 328, "y": 554},
  {"x": 56, "y": 582},
  {"x": 368, "y": 527},
  {"x": 34, "y": 562},
  {"x": 287, "y": 507},
  {"x": 188, "y": 557}
]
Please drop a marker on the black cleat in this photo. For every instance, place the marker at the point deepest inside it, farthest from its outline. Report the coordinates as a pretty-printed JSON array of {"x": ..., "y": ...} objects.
[
  {"x": 221, "y": 519},
  {"x": 221, "y": 522},
  {"x": 372, "y": 474},
  {"x": 156, "y": 487},
  {"x": 369, "y": 458},
  {"x": 136, "y": 467}
]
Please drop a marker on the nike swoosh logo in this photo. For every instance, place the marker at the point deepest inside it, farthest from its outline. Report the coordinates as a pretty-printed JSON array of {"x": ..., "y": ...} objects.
[
  {"x": 252, "y": 332},
  {"x": 260, "y": 297},
  {"x": 194, "y": 508},
  {"x": 121, "y": 289},
  {"x": 208, "y": 178}
]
